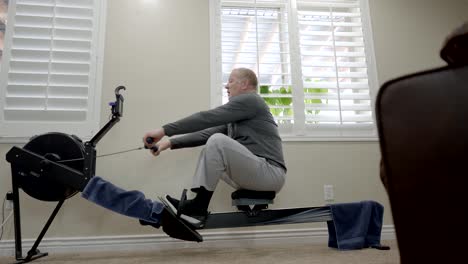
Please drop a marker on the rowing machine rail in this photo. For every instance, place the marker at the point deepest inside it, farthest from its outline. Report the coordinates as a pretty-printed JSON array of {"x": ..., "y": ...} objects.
[{"x": 252, "y": 205}]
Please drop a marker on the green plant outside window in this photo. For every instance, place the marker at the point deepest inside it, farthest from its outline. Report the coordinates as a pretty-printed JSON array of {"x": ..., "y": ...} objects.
[{"x": 282, "y": 106}]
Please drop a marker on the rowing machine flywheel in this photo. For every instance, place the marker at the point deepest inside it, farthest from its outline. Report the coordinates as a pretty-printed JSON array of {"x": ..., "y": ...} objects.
[{"x": 58, "y": 147}]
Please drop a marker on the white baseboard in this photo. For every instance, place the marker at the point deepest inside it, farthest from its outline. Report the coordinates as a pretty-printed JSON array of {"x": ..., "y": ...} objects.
[{"x": 161, "y": 241}]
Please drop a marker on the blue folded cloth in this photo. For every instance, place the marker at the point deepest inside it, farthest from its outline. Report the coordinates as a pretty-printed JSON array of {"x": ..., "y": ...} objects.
[
  {"x": 129, "y": 203},
  {"x": 355, "y": 225}
]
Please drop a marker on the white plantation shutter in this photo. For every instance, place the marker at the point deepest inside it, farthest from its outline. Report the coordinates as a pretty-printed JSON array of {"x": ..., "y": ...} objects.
[
  {"x": 49, "y": 73},
  {"x": 334, "y": 67},
  {"x": 254, "y": 35},
  {"x": 313, "y": 58}
]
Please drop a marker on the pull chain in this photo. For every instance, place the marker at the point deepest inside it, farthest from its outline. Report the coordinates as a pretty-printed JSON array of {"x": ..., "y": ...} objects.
[
  {"x": 104, "y": 155},
  {"x": 119, "y": 152}
]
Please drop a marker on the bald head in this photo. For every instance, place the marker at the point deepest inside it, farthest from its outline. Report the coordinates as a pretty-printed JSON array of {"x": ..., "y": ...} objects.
[{"x": 244, "y": 74}]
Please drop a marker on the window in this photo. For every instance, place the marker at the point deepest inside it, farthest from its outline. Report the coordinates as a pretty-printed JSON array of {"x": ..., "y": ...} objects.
[
  {"x": 3, "y": 21},
  {"x": 314, "y": 61},
  {"x": 51, "y": 68}
]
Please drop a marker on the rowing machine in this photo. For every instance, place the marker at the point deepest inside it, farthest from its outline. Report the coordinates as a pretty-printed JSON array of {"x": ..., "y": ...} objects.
[{"x": 55, "y": 166}]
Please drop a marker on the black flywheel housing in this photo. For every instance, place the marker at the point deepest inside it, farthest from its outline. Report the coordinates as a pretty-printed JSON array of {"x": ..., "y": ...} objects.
[{"x": 58, "y": 147}]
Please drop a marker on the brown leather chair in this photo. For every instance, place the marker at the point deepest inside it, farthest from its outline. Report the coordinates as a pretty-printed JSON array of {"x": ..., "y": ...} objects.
[{"x": 422, "y": 120}]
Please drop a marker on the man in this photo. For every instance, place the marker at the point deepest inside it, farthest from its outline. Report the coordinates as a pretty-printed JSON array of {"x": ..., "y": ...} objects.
[{"x": 242, "y": 146}]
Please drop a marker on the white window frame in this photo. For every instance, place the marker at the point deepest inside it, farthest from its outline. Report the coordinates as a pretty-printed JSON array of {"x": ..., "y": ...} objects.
[
  {"x": 21, "y": 131},
  {"x": 300, "y": 132}
]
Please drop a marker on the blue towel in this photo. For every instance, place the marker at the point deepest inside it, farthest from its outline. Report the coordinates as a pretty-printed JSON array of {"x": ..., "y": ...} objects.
[
  {"x": 355, "y": 225},
  {"x": 129, "y": 203}
]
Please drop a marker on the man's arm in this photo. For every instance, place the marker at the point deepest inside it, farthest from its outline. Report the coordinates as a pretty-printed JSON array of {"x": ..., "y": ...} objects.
[
  {"x": 238, "y": 108},
  {"x": 197, "y": 138}
]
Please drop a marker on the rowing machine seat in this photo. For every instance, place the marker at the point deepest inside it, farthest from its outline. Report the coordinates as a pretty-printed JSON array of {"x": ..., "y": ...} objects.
[
  {"x": 249, "y": 194},
  {"x": 252, "y": 201}
]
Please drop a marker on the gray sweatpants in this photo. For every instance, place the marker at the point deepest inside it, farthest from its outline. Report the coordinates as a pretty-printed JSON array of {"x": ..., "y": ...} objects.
[{"x": 226, "y": 159}]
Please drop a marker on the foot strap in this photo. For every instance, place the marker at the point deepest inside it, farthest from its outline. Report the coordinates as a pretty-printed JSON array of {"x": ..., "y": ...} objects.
[{"x": 182, "y": 200}]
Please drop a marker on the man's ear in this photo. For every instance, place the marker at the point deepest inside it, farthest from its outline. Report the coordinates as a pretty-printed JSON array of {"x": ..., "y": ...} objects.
[{"x": 245, "y": 84}]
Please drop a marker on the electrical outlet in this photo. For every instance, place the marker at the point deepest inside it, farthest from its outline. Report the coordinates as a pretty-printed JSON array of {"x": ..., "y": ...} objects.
[
  {"x": 9, "y": 205},
  {"x": 9, "y": 201},
  {"x": 328, "y": 193}
]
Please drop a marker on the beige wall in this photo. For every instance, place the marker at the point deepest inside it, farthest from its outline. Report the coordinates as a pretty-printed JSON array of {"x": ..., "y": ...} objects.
[{"x": 160, "y": 52}]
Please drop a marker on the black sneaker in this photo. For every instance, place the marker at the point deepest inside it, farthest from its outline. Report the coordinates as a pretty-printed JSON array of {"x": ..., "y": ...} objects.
[{"x": 194, "y": 215}]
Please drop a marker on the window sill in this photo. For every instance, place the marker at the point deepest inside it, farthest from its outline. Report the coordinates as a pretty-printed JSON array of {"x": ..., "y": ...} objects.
[
  {"x": 290, "y": 138},
  {"x": 24, "y": 140},
  {"x": 14, "y": 140}
]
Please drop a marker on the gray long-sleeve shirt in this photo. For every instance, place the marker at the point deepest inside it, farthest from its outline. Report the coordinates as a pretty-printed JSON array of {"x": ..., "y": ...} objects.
[{"x": 246, "y": 118}]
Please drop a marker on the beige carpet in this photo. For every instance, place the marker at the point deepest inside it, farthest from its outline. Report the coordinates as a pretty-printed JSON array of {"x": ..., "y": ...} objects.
[{"x": 297, "y": 254}]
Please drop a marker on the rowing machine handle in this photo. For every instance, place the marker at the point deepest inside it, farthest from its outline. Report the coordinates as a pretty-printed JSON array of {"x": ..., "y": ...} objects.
[
  {"x": 150, "y": 140},
  {"x": 117, "y": 106}
]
